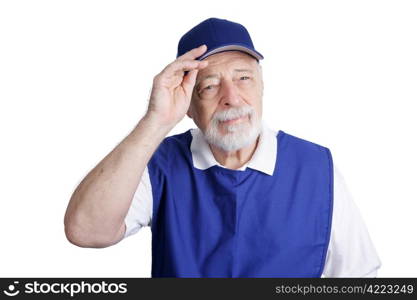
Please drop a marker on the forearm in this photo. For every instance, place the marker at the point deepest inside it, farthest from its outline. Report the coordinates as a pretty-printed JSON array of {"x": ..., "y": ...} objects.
[{"x": 98, "y": 206}]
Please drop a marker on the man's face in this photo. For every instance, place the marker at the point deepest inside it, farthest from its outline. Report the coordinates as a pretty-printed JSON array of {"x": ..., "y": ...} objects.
[{"x": 227, "y": 99}]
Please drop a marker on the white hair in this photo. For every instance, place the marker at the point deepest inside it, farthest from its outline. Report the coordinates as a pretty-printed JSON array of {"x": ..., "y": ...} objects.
[{"x": 238, "y": 135}]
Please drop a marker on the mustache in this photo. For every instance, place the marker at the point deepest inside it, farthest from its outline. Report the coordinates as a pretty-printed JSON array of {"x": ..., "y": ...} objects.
[{"x": 233, "y": 113}]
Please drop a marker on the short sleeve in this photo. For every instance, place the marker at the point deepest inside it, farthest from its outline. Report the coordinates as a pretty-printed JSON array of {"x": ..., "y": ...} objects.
[
  {"x": 351, "y": 252},
  {"x": 140, "y": 211}
]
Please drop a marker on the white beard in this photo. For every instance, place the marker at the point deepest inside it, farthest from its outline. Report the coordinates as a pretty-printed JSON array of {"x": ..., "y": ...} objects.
[{"x": 238, "y": 135}]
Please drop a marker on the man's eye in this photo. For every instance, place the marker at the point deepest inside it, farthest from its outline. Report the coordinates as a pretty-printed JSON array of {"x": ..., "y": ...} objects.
[
  {"x": 208, "y": 88},
  {"x": 244, "y": 78}
]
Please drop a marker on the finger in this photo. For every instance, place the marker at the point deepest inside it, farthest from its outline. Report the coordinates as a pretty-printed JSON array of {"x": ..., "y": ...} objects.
[
  {"x": 184, "y": 65},
  {"x": 189, "y": 81},
  {"x": 193, "y": 53}
]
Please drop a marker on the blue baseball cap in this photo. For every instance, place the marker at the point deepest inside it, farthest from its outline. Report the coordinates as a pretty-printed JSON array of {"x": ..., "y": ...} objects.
[{"x": 218, "y": 35}]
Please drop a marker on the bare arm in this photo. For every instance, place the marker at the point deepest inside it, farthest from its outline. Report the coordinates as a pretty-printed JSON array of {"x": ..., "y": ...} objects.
[{"x": 96, "y": 211}]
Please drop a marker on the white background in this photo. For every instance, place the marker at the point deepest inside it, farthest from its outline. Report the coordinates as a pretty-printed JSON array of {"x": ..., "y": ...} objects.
[{"x": 75, "y": 77}]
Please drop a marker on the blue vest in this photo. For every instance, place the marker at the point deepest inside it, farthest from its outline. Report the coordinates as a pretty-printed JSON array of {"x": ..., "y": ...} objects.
[{"x": 220, "y": 222}]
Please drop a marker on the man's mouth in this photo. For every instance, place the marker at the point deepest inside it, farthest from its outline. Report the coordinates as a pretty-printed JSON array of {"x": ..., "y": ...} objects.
[{"x": 236, "y": 120}]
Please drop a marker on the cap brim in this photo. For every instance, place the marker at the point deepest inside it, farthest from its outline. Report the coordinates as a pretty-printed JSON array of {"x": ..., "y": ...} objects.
[{"x": 252, "y": 52}]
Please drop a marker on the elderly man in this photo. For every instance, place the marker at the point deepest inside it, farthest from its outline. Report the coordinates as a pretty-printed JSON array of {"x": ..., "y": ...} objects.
[{"x": 231, "y": 198}]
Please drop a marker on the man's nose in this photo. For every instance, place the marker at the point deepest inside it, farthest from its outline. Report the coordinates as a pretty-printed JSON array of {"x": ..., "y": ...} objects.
[{"x": 230, "y": 94}]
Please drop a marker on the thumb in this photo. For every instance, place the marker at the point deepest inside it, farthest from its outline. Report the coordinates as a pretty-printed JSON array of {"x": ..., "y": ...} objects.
[{"x": 189, "y": 81}]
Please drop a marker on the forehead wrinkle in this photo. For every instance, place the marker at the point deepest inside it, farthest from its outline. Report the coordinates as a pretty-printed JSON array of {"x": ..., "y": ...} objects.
[{"x": 209, "y": 76}]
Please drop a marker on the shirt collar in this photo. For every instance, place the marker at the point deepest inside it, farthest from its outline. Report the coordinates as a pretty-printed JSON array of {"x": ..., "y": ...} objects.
[{"x": 263, "y": 159}]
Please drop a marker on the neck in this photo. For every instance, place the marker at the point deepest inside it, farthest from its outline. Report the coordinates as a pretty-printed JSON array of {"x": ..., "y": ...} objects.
[{"x": 234, "y": 159}]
